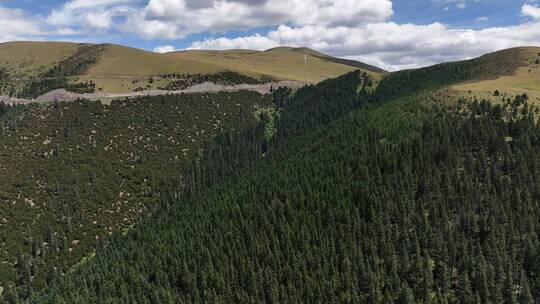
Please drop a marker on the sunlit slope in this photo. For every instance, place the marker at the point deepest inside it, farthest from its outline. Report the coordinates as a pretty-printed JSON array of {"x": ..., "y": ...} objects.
[
  {"x": 279, "y": 63},
  {"x": 125, "y": 69},
  {"x": 125, "y": 61},
  {"x": 31, "y": 58},
  {"x": 119, "y": 65},
  {"x": 522, "y": 76},
  {"x": 515, "y": 69}
]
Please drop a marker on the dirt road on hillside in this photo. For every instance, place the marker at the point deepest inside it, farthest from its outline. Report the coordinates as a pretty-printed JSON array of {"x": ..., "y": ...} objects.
[{"x": 207, "y": 87}]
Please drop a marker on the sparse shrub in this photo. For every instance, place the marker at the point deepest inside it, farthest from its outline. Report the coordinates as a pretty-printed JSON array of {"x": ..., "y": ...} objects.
[
  {"x": 82, "y": 88},
  {"x": 224, "y": 78}
]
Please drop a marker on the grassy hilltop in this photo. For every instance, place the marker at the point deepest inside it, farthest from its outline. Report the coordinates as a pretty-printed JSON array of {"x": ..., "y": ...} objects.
[
  {"x": 115, "y": 68},
  {"x": 522, "y": 77},
  {"x": 279, "y": 63},
  {"x": 32, "y": 58}
]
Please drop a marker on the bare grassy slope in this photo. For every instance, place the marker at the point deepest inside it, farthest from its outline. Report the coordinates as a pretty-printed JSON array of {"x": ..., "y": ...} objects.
[
  {"x": 125, "y": 69},
  {"x": 31, "y": 58},
  {"x": 115, "y": 71},
  {"x": 121, "y": 61},
  {"x": 279, "y": 63},
  {"x": 520, "y": 74}
]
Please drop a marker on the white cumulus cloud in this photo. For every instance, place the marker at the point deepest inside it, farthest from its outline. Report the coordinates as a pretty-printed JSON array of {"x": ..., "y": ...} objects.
[
  {"x": 165, "y": 49},
  {"x": 390, "y": 45},
  {"x": 531, "y": 11},
  {"x": 90, "y": 14},
  {"x": 178, "y": 18},
  {"x": 15, "y": 24},
  {"x": 356, "y": 29}
]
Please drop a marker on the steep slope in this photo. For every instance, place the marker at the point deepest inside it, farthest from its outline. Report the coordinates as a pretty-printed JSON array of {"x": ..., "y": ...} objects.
[
  {"x": 75, "y": 173},
  {"x": 401, "y": 202}
]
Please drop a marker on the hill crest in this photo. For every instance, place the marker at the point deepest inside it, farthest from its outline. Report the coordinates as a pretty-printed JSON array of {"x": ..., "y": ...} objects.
[{"x": 30, "y": 59}]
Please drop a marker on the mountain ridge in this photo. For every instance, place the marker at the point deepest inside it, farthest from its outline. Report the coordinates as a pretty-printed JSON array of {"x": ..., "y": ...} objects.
[
  {"x": 120, "y": 69},
  {"x": 30, "y": 59}
]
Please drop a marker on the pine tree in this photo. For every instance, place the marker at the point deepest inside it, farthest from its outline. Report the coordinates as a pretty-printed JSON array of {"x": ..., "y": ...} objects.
[
  {"x": 406, "y": 296},
  {"x": 525, "y": 296}
]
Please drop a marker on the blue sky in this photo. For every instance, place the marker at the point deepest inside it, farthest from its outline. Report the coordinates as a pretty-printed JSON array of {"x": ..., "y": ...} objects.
[
  {"x": 498, "y": 12},
  {"x": 390, "y": 33}
]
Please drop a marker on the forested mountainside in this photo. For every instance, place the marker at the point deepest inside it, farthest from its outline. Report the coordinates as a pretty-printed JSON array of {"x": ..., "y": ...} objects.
[
  {"x": 83, "y": 171},
  {"x": 405, "y": 201},
  {"x": 340, "y": 192},
  {"x": 75, "y": 173}
]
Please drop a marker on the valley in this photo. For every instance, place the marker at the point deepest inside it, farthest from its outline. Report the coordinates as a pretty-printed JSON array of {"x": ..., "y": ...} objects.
[
  {"x": 278, "y": 176},
  {"x": 359, "y": 196},
  {"x": 269, "y": 152}
]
